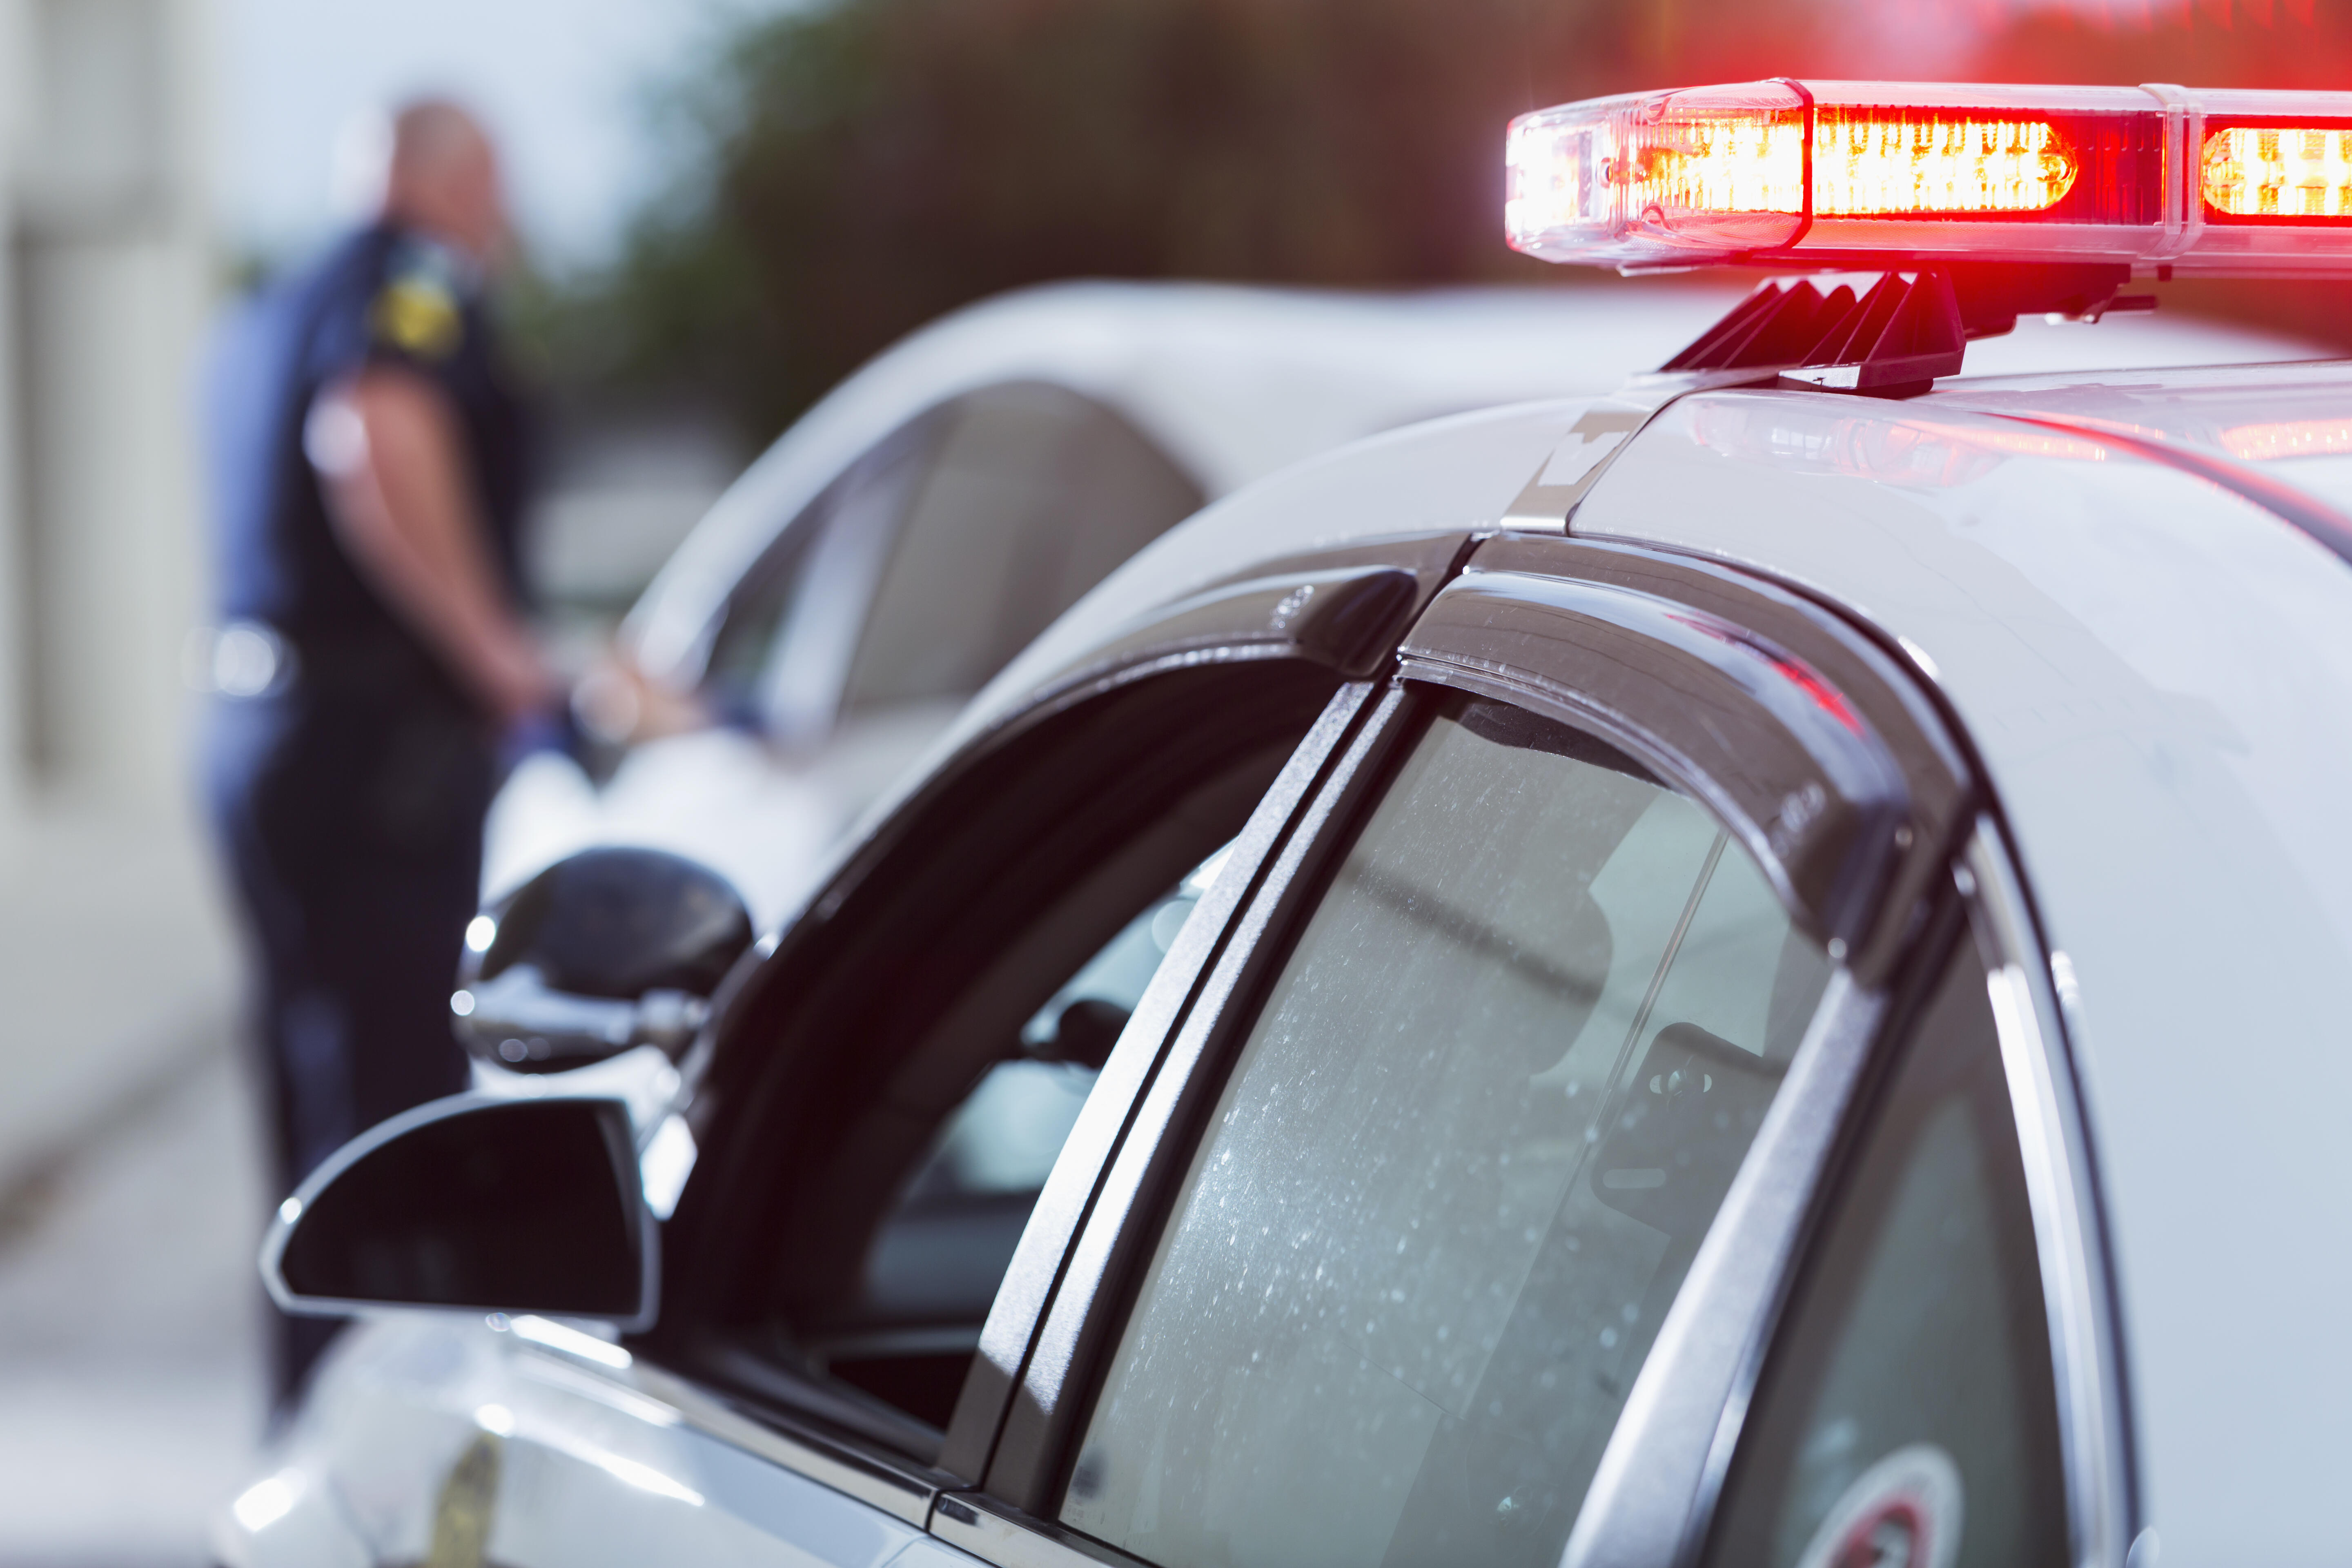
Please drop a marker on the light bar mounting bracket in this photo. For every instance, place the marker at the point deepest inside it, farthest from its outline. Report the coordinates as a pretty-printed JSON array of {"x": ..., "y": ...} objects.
[{"x": 1894, "y": 337}]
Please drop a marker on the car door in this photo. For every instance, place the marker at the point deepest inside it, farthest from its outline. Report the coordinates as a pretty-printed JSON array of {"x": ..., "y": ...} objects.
[
  {"x": 1456, "y": 1218},
  {"x": 885, "y": 1117}
]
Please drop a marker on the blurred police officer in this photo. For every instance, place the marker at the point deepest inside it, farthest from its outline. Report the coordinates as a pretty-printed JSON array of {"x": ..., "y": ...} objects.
[{"x": 368, "y": 471}]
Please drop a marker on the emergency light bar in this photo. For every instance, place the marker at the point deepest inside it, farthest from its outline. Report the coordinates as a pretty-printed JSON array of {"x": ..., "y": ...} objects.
[{"x": 1886, "y": 174}]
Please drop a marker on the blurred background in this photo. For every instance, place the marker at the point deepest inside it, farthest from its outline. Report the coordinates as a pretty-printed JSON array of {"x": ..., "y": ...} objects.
[{"x": 725, "y": 205}]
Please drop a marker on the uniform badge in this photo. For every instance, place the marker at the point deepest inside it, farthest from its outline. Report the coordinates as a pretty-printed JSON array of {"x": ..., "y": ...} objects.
[{"x": 418, "y": 315}]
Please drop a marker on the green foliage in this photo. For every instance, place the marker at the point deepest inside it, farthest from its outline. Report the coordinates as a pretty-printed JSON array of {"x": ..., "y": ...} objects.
[
  {"x": 874, "y": 163},
  {"x": 864, "y": 166}
]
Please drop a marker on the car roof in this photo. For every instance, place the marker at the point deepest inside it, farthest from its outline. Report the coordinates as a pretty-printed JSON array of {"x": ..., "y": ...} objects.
[
  {"x": 2291, "y": 422},
  {"x": 1232, "y": 383},
  {"x": 2157, "y": 673},
  {"x": 1236, "y": 383}
]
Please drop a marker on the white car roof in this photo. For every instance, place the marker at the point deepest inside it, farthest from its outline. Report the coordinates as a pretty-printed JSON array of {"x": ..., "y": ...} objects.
[
  {"x": 2157, "y": 674},
  {"x": 1236, "y": 383},
  {"x": 1232, "y": 383}
]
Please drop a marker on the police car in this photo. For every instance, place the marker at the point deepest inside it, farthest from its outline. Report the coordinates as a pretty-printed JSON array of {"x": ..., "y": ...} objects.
[{"x": 1744, "y": 971}]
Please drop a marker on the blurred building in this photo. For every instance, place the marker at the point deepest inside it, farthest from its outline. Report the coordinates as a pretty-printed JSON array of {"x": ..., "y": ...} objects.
[
  {"x": 111, "y": 952},
  {"x": 105, "y": 274}
]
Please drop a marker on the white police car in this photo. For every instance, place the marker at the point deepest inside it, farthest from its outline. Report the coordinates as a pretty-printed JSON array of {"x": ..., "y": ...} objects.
[{"x": 1738, "y": 974}]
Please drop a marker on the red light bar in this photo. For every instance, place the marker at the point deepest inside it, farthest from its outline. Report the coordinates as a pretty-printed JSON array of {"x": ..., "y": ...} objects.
[{"x": 1894, "y": 173}]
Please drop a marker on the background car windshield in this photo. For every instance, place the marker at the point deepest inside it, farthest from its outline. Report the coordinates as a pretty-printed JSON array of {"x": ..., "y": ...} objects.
[
  {"x": 1459, "y": 1170},
  {"x": 1033, "y": 495},
  {"x": 920, "y": 572}
]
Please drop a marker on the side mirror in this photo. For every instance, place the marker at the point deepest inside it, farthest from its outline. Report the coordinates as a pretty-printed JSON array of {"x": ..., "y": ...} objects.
[
  {"x": 491, "y": 1205},
  {"x": 604, "y": 950}
]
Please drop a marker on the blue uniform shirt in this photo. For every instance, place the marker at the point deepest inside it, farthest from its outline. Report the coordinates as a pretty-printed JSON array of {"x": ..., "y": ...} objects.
[{"x": 383, "y": 296}]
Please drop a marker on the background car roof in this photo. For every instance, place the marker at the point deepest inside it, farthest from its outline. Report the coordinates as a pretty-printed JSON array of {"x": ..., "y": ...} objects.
[
  {"x": 1236, "y": 383},
  {"x": 2158, "y": 674},
  {"x": 1231, "y": 383}
]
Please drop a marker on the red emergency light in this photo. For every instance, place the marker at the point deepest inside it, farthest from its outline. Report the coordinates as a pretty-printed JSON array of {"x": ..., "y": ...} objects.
[{"x": 2154, "y": 179}]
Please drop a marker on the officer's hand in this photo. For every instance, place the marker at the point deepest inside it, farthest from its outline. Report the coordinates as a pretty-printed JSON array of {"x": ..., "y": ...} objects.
[{"x": 618, "y": 704}]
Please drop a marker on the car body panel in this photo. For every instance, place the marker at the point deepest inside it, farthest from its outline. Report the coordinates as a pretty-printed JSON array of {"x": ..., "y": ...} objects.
[
  {"x": 1237, "y": 382},
  {"x": 548, "y": 1447},
  {"x": 721, "y": 795},
  {"x": 2292, "y": 421},
  {"x": 2145, "y": 665},
  {"x": 2155, "y": 673}
]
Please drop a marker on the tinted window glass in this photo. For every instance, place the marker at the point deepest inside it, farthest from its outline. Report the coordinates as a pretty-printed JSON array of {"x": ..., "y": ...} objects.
[
  {"x": 791, "y": 602},
  {"x": 1462, "y": 1163},
  {"x": 1907, "y": 1414},
  {"x": 935, "y": 1262},
  {"x": 749, "y": 626},
  {"x": 1034, "y": 495}
]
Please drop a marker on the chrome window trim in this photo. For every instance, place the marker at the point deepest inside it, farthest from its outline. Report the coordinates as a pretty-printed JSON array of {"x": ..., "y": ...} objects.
[
  {"x": 897, "y": 1489},
  {"x": 1646, "y": 1500},
  {"x": 2077, "y": 1284},
  {"x": 999, "y": 1533}
]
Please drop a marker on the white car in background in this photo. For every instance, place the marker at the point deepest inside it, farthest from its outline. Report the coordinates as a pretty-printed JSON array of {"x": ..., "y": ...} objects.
[{"x": 895, "y": 548}]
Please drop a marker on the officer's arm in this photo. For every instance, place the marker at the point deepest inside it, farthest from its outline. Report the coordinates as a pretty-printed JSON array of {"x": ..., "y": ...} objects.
[{"x": 387, "y": 445}]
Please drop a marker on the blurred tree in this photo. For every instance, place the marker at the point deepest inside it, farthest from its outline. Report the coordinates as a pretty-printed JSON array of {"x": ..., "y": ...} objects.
[
  {"x": 869, "y": 164},
  {"x": 863, "y": 165}
]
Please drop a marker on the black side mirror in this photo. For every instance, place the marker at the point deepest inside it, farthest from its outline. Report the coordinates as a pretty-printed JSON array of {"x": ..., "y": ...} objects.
[
  {"x": 607, "y": 950},
  {"x": 491, "y": 1205}
]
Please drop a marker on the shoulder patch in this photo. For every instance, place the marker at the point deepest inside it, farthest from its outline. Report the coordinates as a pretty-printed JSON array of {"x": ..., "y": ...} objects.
[{"x": 419, "y": 316}]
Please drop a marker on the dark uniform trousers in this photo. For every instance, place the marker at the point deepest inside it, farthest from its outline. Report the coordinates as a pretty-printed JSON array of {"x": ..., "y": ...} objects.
[
  {"x": 349, "y": 795},
  {"x": 350, "y": 807}
]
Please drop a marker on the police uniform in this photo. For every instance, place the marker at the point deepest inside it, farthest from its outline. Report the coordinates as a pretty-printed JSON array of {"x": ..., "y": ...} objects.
[{"x": 348, "y": 772}]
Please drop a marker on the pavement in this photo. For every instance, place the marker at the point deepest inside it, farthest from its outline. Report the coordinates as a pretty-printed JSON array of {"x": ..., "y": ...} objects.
[{"x": 130, "y": 1200}]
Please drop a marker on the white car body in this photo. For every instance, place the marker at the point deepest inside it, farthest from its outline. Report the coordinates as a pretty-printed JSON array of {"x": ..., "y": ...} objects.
[{"x": 2152, "y": 663}]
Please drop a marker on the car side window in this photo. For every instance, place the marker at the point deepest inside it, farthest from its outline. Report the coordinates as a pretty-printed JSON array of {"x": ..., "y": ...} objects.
[
  {"x": 1033, "y": 495},
  {"x": 910, "y": 1063},
  {"x": 1907, "y": 1413},
  {"x": 936, "y": 1259},
  {"x": 1461, "y": 1165}
]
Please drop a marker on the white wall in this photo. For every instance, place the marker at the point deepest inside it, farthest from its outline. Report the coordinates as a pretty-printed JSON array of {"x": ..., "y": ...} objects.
[
  {"x": 116, "y": 963},
  {"x": 110, "y": 289},
  {"x": 15, "y": 605},
  {"x": 116, "y": 568}
]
